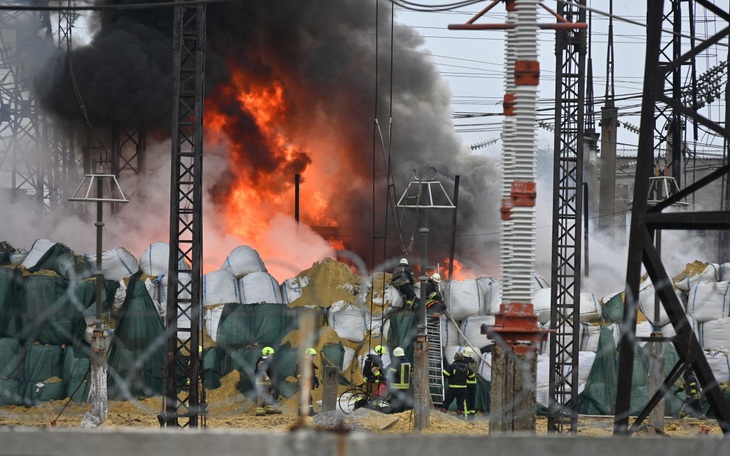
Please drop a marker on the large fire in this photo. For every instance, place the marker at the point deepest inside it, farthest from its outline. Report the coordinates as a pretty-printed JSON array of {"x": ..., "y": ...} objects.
[{"x": 252, "y": 125}]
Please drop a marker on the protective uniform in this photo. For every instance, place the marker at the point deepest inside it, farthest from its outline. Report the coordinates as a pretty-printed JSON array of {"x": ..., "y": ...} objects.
[
  {"x": 691, "y": 406},
  {"x": 265, "y": 403},
  {"x": 471, "y": 383},
  {"x": 372, "y": 371},
  {"x": 457, "y": 374},
  {"x": 309, "y": 356},
  {"x": 403, "y": 280},
  {"x": 399, "y": 382},
  {"x": 434, "y": 301}
]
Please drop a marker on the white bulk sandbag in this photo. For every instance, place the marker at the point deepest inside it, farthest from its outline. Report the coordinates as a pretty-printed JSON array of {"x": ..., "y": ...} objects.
[
  {"x": 243, "y": 260},
  {"x": 155, "y": 260},
  {"x": 709, "y": 301},
  {"x": 644, "y": 329},
  {"x": 116, "y": 263},
  {"x": 541, "y": 304},
  {"x": 590, "y": 308},
  {"x": 463, "y": 298},
  {"x": 669, "y": 330},
  {"x": 589, "y": 335},
  {"x": 715, "y": 334},
  {"x": 711, "y": 273},
  {"x": 648, "y": 303},
  {"x": 211, "y": 318},
  {"x": 585, "y": 363},
  {"x": 347, "y": 358},
  {"x": 491, "y": 292},
  {"x": 258, "y": 288},
  {"x": 291, "y": 289},
  {"x": 719, "y": 361},
  {"x": 471, "y": 328},
  {"x": 374, "y": 323},
  {"x": 348, "y": 321},
  {"x": 542, "y": 390},
  {"x": 449, "y": 332},
  {"x": 724, "y": 274},
  {"x": 39, "y": 248},
  {"x": 220, "y": 287},
  {"x": 485, "y": 366}
]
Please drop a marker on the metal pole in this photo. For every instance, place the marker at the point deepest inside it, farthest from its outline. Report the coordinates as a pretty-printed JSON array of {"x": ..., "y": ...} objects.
[
  {"x": 297, "y": 179},
  {"x": 99, "y": 368},
  {"x": 453, "y": 227},
  {"x": 585, "y": 228}
]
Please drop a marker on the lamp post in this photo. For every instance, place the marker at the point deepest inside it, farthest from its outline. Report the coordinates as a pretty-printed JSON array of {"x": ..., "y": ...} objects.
[
  {"x": 107, "y": 191},
  {"x": 423, "y": 194}
]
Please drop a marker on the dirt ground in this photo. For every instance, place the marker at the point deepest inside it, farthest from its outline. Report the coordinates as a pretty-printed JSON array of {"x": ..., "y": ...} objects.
[{"x": 229, "y": 409}]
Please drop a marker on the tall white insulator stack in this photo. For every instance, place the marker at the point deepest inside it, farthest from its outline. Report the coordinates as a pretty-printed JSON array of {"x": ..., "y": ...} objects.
[
  {"x": 508, "y": 125},
  {"x": 522, "y": 238}
]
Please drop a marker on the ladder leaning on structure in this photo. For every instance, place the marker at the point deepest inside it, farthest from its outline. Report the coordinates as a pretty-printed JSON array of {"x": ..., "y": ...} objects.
[{"x": 435, "y": 361}]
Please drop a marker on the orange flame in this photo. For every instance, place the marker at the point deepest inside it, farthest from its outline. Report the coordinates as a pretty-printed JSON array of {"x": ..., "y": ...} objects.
[
  {"x": 460, "y": 272},
  {"x": 252, "y": 122}
]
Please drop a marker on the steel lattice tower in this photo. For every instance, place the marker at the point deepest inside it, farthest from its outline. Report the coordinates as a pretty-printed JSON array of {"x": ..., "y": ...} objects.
[
  {"x": 184, "y": 402},
  {"x": 23, "y": 148},
  {"x": 647, "y": 221},
  {"x": 570, "y": 51}
]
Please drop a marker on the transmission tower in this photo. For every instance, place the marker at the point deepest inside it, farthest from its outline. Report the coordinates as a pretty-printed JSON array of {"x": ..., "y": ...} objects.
[
  {"x": 659, "y": 104},
  {"x": 184, "y": 402},
  {"x": 570, "y": 53}
]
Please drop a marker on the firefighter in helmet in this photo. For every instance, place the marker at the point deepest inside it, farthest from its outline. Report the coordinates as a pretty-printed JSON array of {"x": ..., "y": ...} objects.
[{"x": 403, "y": 280}]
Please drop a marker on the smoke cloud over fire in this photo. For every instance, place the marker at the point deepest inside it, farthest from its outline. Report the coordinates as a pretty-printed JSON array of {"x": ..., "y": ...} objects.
[{"x": 292, "y": 88}]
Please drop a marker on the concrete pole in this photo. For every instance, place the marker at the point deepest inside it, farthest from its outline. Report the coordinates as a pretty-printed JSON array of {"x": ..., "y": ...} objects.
[
  {"x": 512, "y": 406},
  {"x": 422, "y": 395},
  {"x": 329, "y": 388},
  {"x": 99, "y": 398},
  {"x": 608, "y": 220}
]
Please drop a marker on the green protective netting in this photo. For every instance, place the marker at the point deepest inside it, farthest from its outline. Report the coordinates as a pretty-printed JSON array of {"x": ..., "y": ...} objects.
[
  {"x": 285, "y": 364},
  {"x": 403, "y": 331},
  {"x": 11, "y": 358},
  {"x": 599, "y": 395},
  {"x": 11, "y": 391},
  {"x": 42, "y": 362},
  {"x": 77, "y": 373},
  {"x": 483, "y": 395},
  {"x": 11, "y": 294},
  {"x": 242, "y": 325},
  {"x": 613, "y": 310},
  {"x": 53, "y": 309},
  {"x": 244, "y": 361},
  {"x": 137, "y": 352},
  {"x": 214, "y": 367},
  {"x": 64, "y": 262}
]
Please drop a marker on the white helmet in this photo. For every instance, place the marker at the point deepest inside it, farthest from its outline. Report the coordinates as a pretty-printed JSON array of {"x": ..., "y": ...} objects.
[
  {"x": 403, "y": 261},
  {"x": 468, "y": 352},
  {"x": 436, "y": 277},
  {"x": 398, "y": 352}
]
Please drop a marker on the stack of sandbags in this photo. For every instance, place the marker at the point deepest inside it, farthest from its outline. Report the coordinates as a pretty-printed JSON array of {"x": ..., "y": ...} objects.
[{"x": 116, "y": 263}]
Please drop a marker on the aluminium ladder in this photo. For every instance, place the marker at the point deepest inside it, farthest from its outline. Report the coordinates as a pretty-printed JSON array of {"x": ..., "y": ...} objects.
[{"x": 435, "y": 361}]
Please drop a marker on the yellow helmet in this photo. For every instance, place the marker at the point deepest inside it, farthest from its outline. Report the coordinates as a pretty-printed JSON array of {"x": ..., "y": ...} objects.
[
  {"x": 398, "y": 351},
  {"x": 380, "y": 350},
  {"x": 436, "y": 277},
  {"x": 310, "y": 352},
  {"x": 267, "y": 351},
  {"x": 468, "y": 352}
]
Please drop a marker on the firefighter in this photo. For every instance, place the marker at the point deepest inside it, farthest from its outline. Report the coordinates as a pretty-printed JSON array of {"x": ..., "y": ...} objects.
[
  {"x": 691, "y": 405},
  {"x": 457, "y": 374},
  {"x": 399, "y": 381},
  {"x": 372, "y": 371},
  {"x": 434, "y": 301},
  {"x": 403, "y": 280},
  {"x": 265, "y": 403},
  {"x": 309, "y": 355},
  {"x": 471, "y": 383}
]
